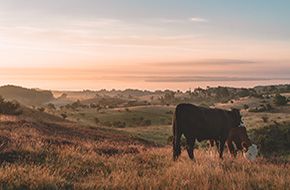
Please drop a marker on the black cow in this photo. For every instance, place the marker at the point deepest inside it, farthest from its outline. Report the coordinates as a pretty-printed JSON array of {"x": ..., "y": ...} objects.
[{"x": 202, "y": 123}]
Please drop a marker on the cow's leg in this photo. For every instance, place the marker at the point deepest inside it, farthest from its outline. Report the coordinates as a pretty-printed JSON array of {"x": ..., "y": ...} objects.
[
  {"x": 222, "y": 144},
  {"x": 218, "y": 145},
  {"x": 189, "y": 148},
  {"x": 211, "y": 146},
  {"x": 231, "y": 148},
  {"x": 223, "y": 139},
  {"x": 176, "y": 146}
]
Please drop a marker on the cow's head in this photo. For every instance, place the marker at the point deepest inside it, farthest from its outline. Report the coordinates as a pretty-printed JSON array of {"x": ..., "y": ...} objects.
[{"x": 250, "y": 152}]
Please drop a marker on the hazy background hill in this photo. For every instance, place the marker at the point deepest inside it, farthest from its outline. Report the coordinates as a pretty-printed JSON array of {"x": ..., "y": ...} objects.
[{"x": 26, "y": 96}]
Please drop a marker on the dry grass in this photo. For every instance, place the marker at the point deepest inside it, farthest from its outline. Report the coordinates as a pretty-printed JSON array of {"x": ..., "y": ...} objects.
[
  {"x": 75, "y": 168},
  {"x": 41, "y": 155}
]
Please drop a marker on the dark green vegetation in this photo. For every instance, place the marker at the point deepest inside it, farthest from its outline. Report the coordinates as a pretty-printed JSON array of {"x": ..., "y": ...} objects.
[
  {"x": 274, "y": 140},
  {"x": 279, "y": 100}
]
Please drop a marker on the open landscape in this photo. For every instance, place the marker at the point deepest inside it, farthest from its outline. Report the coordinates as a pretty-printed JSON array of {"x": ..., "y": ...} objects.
[
  {"x": 145, "y": 94},
  {"x": 121, "y": 140}
]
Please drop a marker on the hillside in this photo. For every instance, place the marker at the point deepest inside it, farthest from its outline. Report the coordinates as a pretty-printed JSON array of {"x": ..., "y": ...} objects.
[
  {"x": 41, "y": 150},
  {"x": 37, "y": 154},
  {"x": 26, "y": 96}
]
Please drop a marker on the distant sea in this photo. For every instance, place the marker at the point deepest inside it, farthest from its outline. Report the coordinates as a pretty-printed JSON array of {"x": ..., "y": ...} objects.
[{"x": 76, "y": 85}]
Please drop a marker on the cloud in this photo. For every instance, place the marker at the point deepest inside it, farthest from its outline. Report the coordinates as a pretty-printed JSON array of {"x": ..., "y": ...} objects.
[
  {"x": 208, "y": 62},
  {"x": 97, "y": 23},
  {"x": 197, "y": 19},
  {"x": 206, "y": 79}
]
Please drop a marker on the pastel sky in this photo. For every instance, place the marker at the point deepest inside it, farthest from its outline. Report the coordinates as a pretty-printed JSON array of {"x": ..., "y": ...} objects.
[{"x": 146, "y": 44}]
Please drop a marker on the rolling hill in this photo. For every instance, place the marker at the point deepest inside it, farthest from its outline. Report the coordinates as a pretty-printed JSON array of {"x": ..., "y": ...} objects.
[{"x": 26, "y": 96}]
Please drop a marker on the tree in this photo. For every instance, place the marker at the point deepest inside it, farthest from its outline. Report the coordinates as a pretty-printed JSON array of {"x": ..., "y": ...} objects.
[
  {"x": 41, "y": 109},
  {"x": 51, "y": 107},
  {"x": 64, "y": 115},
  {"x": 279, "y": 100}
]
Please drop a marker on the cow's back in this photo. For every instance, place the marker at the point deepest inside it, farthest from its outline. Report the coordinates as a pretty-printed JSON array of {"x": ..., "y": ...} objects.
[{"x": 203, "y": 123}]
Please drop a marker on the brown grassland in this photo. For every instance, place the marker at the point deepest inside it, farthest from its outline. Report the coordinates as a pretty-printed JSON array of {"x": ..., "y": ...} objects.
[{"x": 37, "y": 154}]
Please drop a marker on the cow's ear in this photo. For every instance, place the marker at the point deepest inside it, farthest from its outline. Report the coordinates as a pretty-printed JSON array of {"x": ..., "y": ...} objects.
[{"x": 245, "y": 146}]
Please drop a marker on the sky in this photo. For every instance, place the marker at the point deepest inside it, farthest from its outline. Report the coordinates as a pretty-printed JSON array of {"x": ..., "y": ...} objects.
[{"x": 152, "y": 44}]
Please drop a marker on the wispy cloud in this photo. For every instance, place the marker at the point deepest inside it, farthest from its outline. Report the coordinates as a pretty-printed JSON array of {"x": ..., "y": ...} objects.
[
  {"x": 96, "y": 23},
  {"x": 208, "y": 62},
  {"x": 206, "y": 78},
  {"x": 198, "y": 19}
]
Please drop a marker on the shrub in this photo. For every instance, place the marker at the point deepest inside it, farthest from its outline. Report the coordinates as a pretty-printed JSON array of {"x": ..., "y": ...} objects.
[
  {"x": 147, "y": 122},
  {"x": 265, "y": 119},
  {"x": 96, "y": 120},
  {"x": 279, "y": 100},
  {"x": 246, "y": 106},
  {"x": 268, "y": 107},
  {"x": 41, "y": 109},
  {"x": 51, "y": 106},
  {"x": 273, "y": 139},
  {"x": 107, "y": 123},
  {"x": 9, "y": 107},
  {"x": 119, "y": 124},
  {"x": 63, "y": 115}
]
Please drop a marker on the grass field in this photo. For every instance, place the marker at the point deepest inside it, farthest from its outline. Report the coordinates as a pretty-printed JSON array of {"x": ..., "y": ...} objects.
[{"x": 42, "y": 155}]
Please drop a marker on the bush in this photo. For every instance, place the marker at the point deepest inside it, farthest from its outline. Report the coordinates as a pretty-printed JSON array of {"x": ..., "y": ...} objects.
[
  {"x": 246, "y": 106},
  {"x": 279, "y": 100},
  {"x": 63, "y": 115},
  {"x": 147, "y": 122},
  {"x": 265, "y": 119},
  {"x": 107, "y": 123},
  {"x": 9, "y": 107},
  {"x": 119, "y": 124},
  {"x": 41, "y": 109},
  {"x": 273, "y": 139},
  {"x": 96, "y": 120}
]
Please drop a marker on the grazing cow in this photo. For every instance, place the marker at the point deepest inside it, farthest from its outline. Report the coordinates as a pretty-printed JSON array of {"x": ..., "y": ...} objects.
[
  {"x": 202, "y": 124},
  {"x": 238, "y": 137}
]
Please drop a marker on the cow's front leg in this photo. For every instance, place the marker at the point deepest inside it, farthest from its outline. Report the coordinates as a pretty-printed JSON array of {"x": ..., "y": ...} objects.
[{"x": 189, "y": 147}]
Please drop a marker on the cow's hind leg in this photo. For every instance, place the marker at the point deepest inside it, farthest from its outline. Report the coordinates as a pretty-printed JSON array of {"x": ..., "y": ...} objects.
[
  {"x": 176, "y": 146},
  {"x": 221, "y": 145},
  {"x": 190, "y": 145}
]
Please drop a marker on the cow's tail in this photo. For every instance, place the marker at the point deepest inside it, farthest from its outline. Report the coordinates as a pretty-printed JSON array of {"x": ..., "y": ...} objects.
[{"x": 176, "y": 137}]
